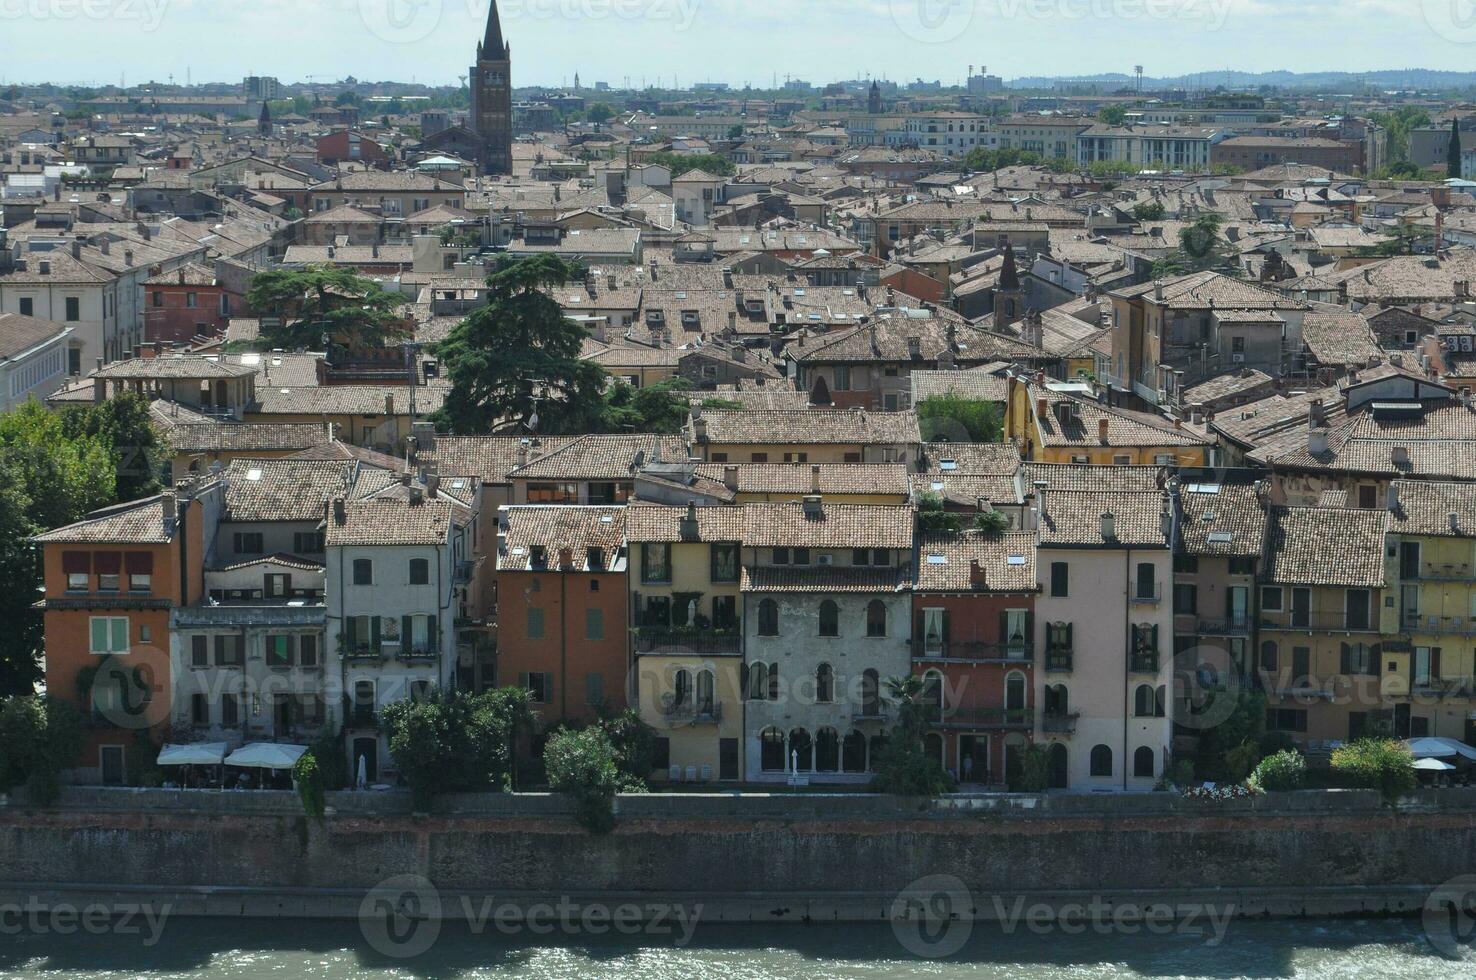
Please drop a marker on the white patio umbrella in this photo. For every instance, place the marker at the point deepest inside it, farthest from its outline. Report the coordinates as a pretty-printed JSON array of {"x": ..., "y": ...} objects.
[
  {"x": 266, "y": 755},
  {"x": 1439, "y": 748},
  {"x": 1433, "y": 765},
  {"x": 194, "y": 754}
]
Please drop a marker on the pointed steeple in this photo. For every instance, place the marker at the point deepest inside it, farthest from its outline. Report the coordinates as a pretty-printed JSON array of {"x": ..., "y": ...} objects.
[
  {"x": 264, "y": 121},
  {"x": 493, "y": 47},
  {"x": 1009, "y": 276}
]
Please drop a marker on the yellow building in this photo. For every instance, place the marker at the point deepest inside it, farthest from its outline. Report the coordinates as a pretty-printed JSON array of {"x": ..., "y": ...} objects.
[
  {"x": 1051, "y": 424},
  {"x": 686, "y": 636}
]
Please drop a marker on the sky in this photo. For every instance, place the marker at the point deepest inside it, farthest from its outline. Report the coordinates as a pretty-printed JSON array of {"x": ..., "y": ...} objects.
[{"x": 733, "y": 41}]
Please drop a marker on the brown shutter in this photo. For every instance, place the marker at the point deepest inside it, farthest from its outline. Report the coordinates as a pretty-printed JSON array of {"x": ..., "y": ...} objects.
[
  {"x": 108, "y": 562},
  {"x": 139, "y": 562},
  {"x": 77, "y": 562}
]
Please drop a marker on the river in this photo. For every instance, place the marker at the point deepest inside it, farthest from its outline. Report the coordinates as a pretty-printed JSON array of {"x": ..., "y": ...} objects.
[{"x": 286, "y": 950}]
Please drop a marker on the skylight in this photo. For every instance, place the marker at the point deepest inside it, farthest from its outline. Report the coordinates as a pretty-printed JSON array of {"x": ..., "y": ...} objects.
[
  {"x": 253, "y": 474},
  {"x": 937, "y": 559},
  {"x": 1016, "y": 559},
  {"x": 1221, "y": 537}
]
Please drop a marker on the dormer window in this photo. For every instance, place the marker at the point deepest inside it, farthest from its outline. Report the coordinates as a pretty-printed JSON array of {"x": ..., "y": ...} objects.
[
  {"x": 538, "y": 556},
  {"x": 690, "y": 320},
  {"x": 655, "y": 318}
]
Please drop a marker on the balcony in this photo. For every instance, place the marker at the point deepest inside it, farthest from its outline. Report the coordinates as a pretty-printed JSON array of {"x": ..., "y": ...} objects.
[
  {"x": 365, "y": 654},
  {"x": 1147, "y": 597},
  {"x": 361, "y": 717},
  {"x": 977, "y": 652},
  {"x": 1144, "y": 662},
  {"x": 693, "y": 712},
  {"x": 1059, "y": 661},
  {"x": 869, "y": 713},
  {"x": 1444, "y": 625},
  {"x": 464, "y": 572},
  {"x": 1439, "y": 572},
  {"x": 1053, "y": 723},
  {"x": 971, "y": 717},
  {"x": 419, "y": 655},
  {"x": 1333, "y": 622},
  {"x": 1231, "y": 626},
  {"x": 686, "y": 641}
]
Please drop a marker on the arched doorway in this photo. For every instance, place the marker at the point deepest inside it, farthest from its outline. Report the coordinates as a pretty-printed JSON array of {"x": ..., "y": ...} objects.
[{"x": 1057, "y": 772}]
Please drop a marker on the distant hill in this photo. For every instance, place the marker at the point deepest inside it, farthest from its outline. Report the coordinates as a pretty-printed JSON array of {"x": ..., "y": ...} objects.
[{"x": 1327, "y": 81}]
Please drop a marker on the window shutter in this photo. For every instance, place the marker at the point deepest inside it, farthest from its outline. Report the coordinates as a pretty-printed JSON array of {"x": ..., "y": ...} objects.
[
  {"x": 946, "y": 634},
  {"x": 199, "y": 651},
  {"x": 220, "y": 646},
  {"x": 1029, "y": 629},
  {"x": 1069, "y": 644},
  {"x": 350, "y": 632},
  {"x": 774, "y": 682},
  {"x": 120, "y": 636},
  {"x": 405, "y": 634},
  {"x": 1153, "y": 634},
  {"x": 1376, "y": 659},
  {"x": 1347, "y": 660},
  {"x": 919, "y": 628},
  {"x": 1004, "y": 627},
  {"x": 375, "y": 640},
  {"x": 432, "y": 640},
  {"x": 1434, "y": 664}
]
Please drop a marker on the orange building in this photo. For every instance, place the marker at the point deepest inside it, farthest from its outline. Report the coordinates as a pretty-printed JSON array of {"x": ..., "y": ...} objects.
[
  {"x": 111, "y": 583},
  {"x": 562, "y": 609}
]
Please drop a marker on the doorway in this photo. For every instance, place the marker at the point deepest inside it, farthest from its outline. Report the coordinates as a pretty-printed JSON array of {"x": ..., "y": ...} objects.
[
  {"x": 973, "y": 759},
  {"x": 728, "y": 759},
  {"x": 113, "y": 771},
  {"x": 367, "y": 750}
]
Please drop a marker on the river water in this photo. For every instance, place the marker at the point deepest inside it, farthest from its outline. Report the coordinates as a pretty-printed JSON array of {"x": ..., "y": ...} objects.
[{"x": 286, "y": 950}]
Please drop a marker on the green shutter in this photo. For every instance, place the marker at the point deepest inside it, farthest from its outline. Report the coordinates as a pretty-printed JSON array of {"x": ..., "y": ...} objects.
[
  {"x": 405, "y": 624},
  {"x": 350, "y": 632},
  {"x": 375, "y": 642},
  {"x": 120, "y": 635},
  {"x": 431, "y": 637}
]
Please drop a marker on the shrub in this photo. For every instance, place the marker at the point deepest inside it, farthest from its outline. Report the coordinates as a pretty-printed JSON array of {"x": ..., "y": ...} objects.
[
  {"x": 309, "y": 779},
  {"x": 583, "y": 764},
  {"x": 39, "y": 737},
  {"x": 1240, "y": 761},
  {"x": 1033, "y": 772},
  {"x": 1374, "y": 763},
  {"x": 903, "y": 766},
  {"x": 1280, "y": 773},
  {"x": 1181, "y": 774},
  {"x": 327, "y": 750},
  {"x": 992, "y": 522}
]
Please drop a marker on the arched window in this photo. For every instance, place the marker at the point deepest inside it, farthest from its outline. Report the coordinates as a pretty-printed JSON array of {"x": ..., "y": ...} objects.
[
  {"x": 768, "y": 618},
  {"x": 1143, "y": 701},
  {"x": 870, "y": 693},
  {"x": 1160, "y": 701},
  {"x": 829, "y": 618},
  {"x": 827, "y": 750},
  {"x": 1143, "y": 763},
  {"x": 1101, "y": 760},
  {"x": 771, "y": 755},
  {"x": 824, "y": 684},
  {"x": 801, "y": 750},
  {"x": 705, "y": 684},
  {"x": 1057, "y": 701},
  {"x": 1057, "y": 770},
  {"x": 1015, "y": 691},
  {"x": 874, "y": 747},
  {"x": 853, "y": 753},
  {"x": 876, "y": 618},
  {"x": 681, "y": 687},
  {"x": 758, "y": 682}
]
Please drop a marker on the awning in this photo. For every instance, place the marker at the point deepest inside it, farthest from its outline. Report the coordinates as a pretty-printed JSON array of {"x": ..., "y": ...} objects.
[
  {"x": 196, "y": 754},
  {"x": 1439, "y": 748},
  {"x": 266, "y": 755}
]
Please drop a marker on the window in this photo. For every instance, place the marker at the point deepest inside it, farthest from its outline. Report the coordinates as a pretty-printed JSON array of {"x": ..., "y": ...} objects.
[
  {"x": 781, "y": 556},
  {"x": 860, "y": 556},
  {"x": 656, "y": 563},
  {"x": 1186, "y": 599},
  {"x": 277, "y": 586},
  {"x": 594, "y": 624},
  {"x": 279, "y": 651},
  {"x": 1270, "y": 598},
  {"x": 27, "y": 306},
  {"x": 1368, "y": 497},
  {"x": 1101, "y": 761},
  {"x": 829, "y": 618},
  {"x": 1143, "y": 701},
  {"x": 1270, "y": 655},
  {"x": 230, "y": 710},
  {"x": 307, "y": 650},
  {"x": 1147, "y": 587},
  {"x": 109, "y": 634},
  {"x": 199, "y": 651},
  {"x": 724, "y": 563},
  {"x": 109, "y": 566},
  {"x": 307, "y": 542},
  {"x": 363, "y": 571},
  {"x": 228, "y": 651},
  {"x": 200, "y": 709},
  {"x": 876, "y": 618},
  {"x": 1187, "y": 564},
  {"x": 824, "y": 684},
  {"x": 1286, "y": 719},
  {"x": 1143, "y": 763},
  {"x": 534, "y": 624},
  {"x": 594, "y": 689},
  {"x": 1359, "y": 658},
  {"x": 419, "y": 571},
  {"x": 1060, "y": 579},
  {"x": 1357, "y": 608},
  {"x": 192, "y": 300},
  {"x": 540, "y": 683},
  {"x": 758, "y": 457},
  {"x": 771, "y": 754},
  {"x": 74, "y": 309},
  {"x": 800, "y": 556},
  {"x": 768, "y": 618},
  {"x": 724, "y": 612}
]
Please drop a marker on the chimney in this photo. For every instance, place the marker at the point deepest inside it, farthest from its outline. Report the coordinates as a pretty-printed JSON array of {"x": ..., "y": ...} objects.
[
  {"x": 1316, "y": 436},
  {"x": 432, "y": 485},
  {"x": 1393, "y": 497},
  {"x": 77, "y": 248},
  {"x": 1455, "y": 522},
  {"x": 1042, "y": 408},
  {"x": 977, "y": 578},
  {"x": 128, "y": 257},
  {"x": 566, "y": 558},
  {"x": 730, "y": 477},
  {"x": 1102, "y": 426},
  {"x": 688, "y": 530},
  {"x": 815, "y": 479},
  {"x": 699, "y": 429},
  {"x": 417, "y": 497},
  {"x": 340, "y": 511},
  {"x": 1040, "y": 497},
  {"x": 1400, "y": 457},
  {"x": 1109, "y": 527},
  {"x": 1157, "y": 292},
  {"x": 45, "y": 267},
  {"x": 814, "y": 509},
  {"x": 389, "y": 403},
  {"x": 171, "y": 510}
]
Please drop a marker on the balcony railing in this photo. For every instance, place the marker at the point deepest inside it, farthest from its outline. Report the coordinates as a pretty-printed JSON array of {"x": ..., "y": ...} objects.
[
  {"x": 1440, "y": 572},
  {"x": 1144, "y": 662},
  {"x": 696, "y": 641},
  {"x": 360, "y": 717},
  {"x": 978, "y": 652},
  {"x": 1226, "y": 626},
  {"x": 418, "y": 655},
  {"x": 1148, "y": 597},
  {"x": 696, "y": 712},
  {"x": 1332, "y": 622},
  {"x": 870, "y": 712},
  {"x": 971, "y": 717},
  {"x": 1449, "y": 625},
  {"x": 1059, "y": 661},
  {"x": 1059, "y": 724}
]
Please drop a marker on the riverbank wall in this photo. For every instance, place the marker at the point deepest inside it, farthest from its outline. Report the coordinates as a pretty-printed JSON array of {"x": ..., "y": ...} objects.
[{"x": 743, "y": 857}]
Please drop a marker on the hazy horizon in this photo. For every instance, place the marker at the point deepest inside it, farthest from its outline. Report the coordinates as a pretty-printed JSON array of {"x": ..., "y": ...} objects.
[{"x": 433, "y": 41}]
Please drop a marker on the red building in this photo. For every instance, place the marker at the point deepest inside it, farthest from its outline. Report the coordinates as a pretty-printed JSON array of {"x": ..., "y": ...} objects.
[
  {"x": 351, "y": 146},
  {"x": 562, "y": 610},
  {"x": 973, "y": 610},
  {"x": 187, "y": 303}
]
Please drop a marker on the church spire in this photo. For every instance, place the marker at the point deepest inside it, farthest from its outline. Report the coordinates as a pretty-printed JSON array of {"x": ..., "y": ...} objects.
[
  {"x": 493, "y": 47},
  {"x": 1009, "y": 276}
]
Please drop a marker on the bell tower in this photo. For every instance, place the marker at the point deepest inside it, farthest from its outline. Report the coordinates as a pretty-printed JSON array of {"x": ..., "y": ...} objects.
[{"x": 491, "y": 93}]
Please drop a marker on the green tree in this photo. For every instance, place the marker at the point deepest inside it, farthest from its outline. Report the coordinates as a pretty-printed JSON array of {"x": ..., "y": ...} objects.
[
  {"x": 39, "y": 738},
  {"x": 125, "y": 427},
  {"x": 327, "y": 749},
  {"x": 1221, "y": 752},
  {"x": 584, "y": 765},
  {"x": 600, "y": 113},
  {"x": 309, "y": 779},
  {"x": 326, "y": 301},
  {"x": 1201, "y": 247},
  {"x": 1149, "y": 211},
  {"x": 681, "y": 163},
  {"x": 20, "y": 576},
  {"x": 519, "y": 356},
  {"x": 1453, "y": 153},
  {"x": 904, "y": 767},
  {"x": 662, "y": 407},
  {"x": 1383, "y": 764},
  {"x": 933, "y": 518},
  {"x": 455, "y": 742},
  {"x": 63, "y": 478},
  {"x": 735, "y": 132},
  {"x": 1399, "y": 123},
  {"x": 1112, "y": 115},
  {"x": 954, "y": 418},
  {"x": 1030, "y": 771},
  {"x": 992, "y": 523}
]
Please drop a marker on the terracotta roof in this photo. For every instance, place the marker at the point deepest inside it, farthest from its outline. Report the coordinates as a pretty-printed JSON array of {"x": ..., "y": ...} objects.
[
  {"x": 19, "y": 334},
  {"x": 1221, "y": 519},
  {"x": 799, "y": 478},
  {"x": 137, "y": 522},
  {"x": 490, "y": 457},
  {"x": 1007, "y": 561},
  {"x": 1073, "y": 518},
  {"x": 1325, "y": 546},
  {"x": 215, "y": 437},
  {"x": 810, "y": 427},
  {"x": 1072, "y": 476},
  {"x": 282, "y": 489},
  {"x": 1426, "y": 506},
  {"x": 977, "y": 385},
  {"x": 601, "y": 457},
  {"x": 971, "y": 458},
  {"x": 837, "y": 526},
  {"x": 553, "y": 528},
  {"x": 965, "y": 489},
  {"x": 658, "y": 523},
  {"x": 821, "y": 578},
  {"x": 391, "y": 521}
]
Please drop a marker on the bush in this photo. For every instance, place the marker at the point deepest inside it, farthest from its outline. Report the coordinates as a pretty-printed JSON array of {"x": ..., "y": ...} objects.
[
  {"x": 1181, "y": 774},
  {"x": 1280, "y": 773},
  {"x": 583, "y": 764},
  {"x": 456, "y": 743},
  {"x": 992, "y": 522},
  {"x": 903, "y": 766},
  {"x": 1374, "y": 763},
  {"x": 932, "y": 518},
  {"x": 1033, "y": 772},
  {"x": 327, "y": 750},
  {"x": 309, "y": 779},
  {"x": 39, "y": 738},
  {"x": 1240, "y": 761}
]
